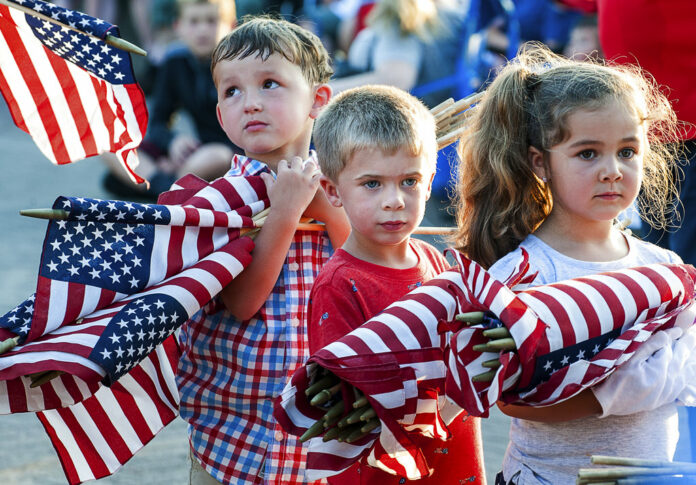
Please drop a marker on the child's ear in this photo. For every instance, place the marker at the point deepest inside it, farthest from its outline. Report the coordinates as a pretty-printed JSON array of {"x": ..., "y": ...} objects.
[
  {"x": 331, "y": 191},
  {"x": 430, "y": 186},
  {"x": 322, "y": 95},
  {"x": 536, "y": 161},
  {"x": 219, "y": 116}
]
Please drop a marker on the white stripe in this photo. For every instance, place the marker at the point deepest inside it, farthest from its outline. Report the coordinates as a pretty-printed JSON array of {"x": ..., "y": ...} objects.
[
  {"x": 402, "y": 330},
  {"x": 553, "y": 330},
  {"x": 95, "y": 436},
  {"x": 442, "y": 296},
  {"x": 112, "y": 100},
  {"x": 132, "y": 126},
  {"x": 181, "y": 295},
  {"x": 24, "y": 100},
  {"x": 244, "y": 189},
  {"x": 67, "y": 439},
  {"x": 158, "y": 259},
  {"x": 56, "y": 98},
  {"x": 91, "y": 106},
  {"x": 217, "y": 201},
  {"x": 153, "y": 370},
  {"x": 168, "y": 373},
  {"x": 577, "y": 319},
  {"x": 33, "y": 357},
  {"x": 118, "y": 418},
  {"x": 189, "y": 246},
  {"x": 90, "y": 300},
  {"x": 628, "y": 302},
  {"x": 57, "y": 304},
  {"x": 4, "y": 398},
  {"x": 339, "y": 349},
  {"x": 144, "y": 403},
  {"x": 371, "y": 338}
]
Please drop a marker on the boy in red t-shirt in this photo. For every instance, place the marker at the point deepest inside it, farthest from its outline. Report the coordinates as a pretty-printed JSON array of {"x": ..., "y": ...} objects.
[{"x": 377, "y": 151}]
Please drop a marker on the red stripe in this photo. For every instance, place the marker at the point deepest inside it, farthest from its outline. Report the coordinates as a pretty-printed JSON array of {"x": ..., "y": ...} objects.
[
  {"x": 63, "y": 455},
  {"x": 94, "y": 460},
  {"x": 38, "y": 94},
  {"x": 12, "y": 102},
  {"x": 108, "y": 117},
  {"x": 107, "y": 430},
  {"x": 74, "y": 100},
  {"x": 618, "y": 314},
  {"x": 75, "y": 295},
  {"x": 594, "y": 326},
  {"x": 175, "y": 260},
  {"x": 564, "y": 324}
]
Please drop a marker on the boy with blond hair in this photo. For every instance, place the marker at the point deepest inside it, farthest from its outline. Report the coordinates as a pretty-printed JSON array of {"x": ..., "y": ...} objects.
[
  {"x": 271, "y": 82},
  {"x": 377, "y": 151}
]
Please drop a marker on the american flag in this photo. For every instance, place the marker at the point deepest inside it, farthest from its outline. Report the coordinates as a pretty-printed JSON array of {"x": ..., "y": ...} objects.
[
  {"x": 73, "y": 93},
  {"x": 585, "y": 327},
  {"x": 116, "y": 279}
]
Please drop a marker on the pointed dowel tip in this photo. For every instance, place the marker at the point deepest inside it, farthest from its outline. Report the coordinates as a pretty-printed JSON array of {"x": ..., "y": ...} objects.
[
  {"x": 124, "y": 44},
  {"x": 56, "y": 214},
  {"x": 9, "y": 344}
]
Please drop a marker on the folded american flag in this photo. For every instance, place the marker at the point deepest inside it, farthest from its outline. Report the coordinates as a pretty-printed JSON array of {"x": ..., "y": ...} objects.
[
  {"x": 72, "y": 92},
  {"x": 116, "y": 279},
  {"x": 588, "y": 326}
]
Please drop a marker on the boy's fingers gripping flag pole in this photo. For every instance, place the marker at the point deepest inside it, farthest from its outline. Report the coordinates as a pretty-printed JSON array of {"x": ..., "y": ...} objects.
[{"x": 75, "y": 94}]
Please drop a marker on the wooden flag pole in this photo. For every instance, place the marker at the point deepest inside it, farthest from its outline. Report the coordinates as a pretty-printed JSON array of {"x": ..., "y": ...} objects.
[{"x": 110, "y": 39}]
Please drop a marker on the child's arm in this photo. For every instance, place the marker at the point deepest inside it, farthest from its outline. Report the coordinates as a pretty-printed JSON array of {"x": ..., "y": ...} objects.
[
  {"x": 582, "y": 405},
  {"x": 662, "y": 371},
  {"x": 289, "y": 195},
  {"x": 335, "y": 218}
]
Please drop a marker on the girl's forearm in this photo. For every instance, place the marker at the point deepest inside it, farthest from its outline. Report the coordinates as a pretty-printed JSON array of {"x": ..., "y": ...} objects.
[{"x": 582, "y": 405}]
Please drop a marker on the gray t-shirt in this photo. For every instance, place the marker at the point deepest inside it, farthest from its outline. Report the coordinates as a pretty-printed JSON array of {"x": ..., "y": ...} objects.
[{"x": 552, "y": 453}]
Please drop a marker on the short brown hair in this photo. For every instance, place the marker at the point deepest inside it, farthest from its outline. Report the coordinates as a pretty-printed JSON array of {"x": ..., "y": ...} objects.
[
  {"x": 265, "y": 35},
  {"x": 382, "y": 117}
]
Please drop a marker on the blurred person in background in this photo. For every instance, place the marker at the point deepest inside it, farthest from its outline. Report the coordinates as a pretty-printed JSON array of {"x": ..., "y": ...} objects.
[
  {"x": 183, "y": 133},
  {"x": 406, "y": 43}
]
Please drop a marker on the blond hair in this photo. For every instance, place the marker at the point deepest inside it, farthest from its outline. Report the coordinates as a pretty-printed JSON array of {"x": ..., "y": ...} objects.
[
  {"x": 417, "y": 17},
  {"x": 368, "y": 117},
  {"x": 499, "y": 199},
  {"x": 263, "y": 36}
]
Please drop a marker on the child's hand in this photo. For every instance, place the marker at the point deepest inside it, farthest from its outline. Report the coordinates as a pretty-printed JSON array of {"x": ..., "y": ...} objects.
[
  {"x": 319, "y": 208},
  {"x": 294, "y": 187},
  {"x": 662, "y": 371},
  {"x": 181, "y": 148}
]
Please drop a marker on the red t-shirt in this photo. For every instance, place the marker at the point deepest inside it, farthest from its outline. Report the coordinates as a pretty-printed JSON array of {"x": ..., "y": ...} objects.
[{"x": 350, "y": 291}]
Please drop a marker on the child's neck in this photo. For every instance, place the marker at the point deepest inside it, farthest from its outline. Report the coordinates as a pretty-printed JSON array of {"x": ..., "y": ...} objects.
[
  {"x": 400, "y": 256},
  {"x": 598, "y": 243}
]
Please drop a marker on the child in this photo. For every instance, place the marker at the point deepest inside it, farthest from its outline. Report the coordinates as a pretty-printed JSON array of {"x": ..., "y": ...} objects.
[
  {"x": 556, "y": 150},
  {"x": 377, "y": 151},
  {"x": 271, "y": 83},
  {"x": 183, "y": 86}
]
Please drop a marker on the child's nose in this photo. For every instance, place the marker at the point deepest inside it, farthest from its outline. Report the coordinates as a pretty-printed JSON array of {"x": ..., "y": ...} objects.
[
  {"x": 611, "y": 170},
  {"x": 252, "y": 102},
  {"x": 393, "y": 199}
]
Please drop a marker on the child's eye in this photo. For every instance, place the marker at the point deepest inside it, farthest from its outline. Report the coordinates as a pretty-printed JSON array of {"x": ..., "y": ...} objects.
[
  {"x": 371, "y": 184},
  {"x": 627, "y": 153},
  {"x": 270, "y": 84},
  {"x": 410, "y": 182},
  {"x": 587, "y": 154},
  {"x": 229, "y": 92}
]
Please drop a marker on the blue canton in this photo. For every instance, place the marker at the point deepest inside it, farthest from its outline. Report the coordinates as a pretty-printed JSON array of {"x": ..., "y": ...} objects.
[{"x": 86, "y": 51}]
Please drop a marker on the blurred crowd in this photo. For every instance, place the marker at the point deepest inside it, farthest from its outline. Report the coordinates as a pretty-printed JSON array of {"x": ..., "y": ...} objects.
[{"x": 435, "y": 49}]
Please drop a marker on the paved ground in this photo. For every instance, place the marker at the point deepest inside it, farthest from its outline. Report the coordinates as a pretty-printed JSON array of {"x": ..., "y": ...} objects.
[{"x": 26, "y": 456}]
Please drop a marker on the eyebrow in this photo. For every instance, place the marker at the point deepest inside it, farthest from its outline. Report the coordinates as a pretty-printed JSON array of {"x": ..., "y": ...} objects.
[
  {"x": 371, "y": 176},
  {"x": 627, "y": 139}
]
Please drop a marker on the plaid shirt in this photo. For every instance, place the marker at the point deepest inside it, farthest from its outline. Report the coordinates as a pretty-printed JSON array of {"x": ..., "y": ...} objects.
[{"x": 230, "y": 371}]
